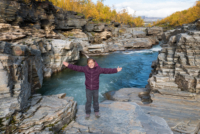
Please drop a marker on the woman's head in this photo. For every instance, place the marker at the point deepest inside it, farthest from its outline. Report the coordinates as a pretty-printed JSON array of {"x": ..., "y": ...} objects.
[{"x": 91, "y": 62}]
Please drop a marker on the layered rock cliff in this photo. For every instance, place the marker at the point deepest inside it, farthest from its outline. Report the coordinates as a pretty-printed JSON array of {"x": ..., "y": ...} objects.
[{"x": 177, "y": 66}]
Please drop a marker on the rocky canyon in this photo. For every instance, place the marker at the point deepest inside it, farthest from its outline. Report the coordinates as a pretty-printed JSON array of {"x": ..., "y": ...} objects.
[{"x": 36, "y": 39}]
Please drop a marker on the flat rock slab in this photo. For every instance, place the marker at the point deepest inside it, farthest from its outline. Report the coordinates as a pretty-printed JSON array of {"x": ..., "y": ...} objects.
[
  {"x": 181, "y": 110},
  {"x": 125, "y": 94},
  {"x": 181, "y": 113},
  {"x": 121, "y": 118}
]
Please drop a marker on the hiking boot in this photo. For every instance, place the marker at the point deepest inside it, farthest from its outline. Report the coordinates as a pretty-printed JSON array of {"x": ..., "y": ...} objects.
[
  {"x": 87, "y": 116},
  {"x": 97, "y": 115}
]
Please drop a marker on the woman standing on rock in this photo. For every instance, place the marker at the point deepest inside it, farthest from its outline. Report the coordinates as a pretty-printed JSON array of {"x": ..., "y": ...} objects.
[{"x": 92, "y": 72}]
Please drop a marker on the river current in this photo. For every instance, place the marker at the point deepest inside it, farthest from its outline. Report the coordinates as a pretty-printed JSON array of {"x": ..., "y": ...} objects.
[{"x": 136, "y": 67}]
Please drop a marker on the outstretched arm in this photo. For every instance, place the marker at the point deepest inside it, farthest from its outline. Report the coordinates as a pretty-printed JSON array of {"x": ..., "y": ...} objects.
[
  {"x": 74, "y": 67},
  {"x": 110, "y": 70}
]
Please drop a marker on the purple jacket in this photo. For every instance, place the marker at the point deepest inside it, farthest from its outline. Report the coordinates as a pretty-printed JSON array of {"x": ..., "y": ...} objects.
[{"x": 92, "y": 74}]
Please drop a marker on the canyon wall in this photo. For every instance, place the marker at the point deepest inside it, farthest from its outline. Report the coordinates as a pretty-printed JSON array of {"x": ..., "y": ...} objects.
[
  {"x": 34, "y": 41},
  {"x": 177, "y": 66}
]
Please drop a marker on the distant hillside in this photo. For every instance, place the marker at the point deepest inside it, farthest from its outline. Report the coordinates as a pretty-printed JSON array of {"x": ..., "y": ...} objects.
[{"x": 181, "y": 17}]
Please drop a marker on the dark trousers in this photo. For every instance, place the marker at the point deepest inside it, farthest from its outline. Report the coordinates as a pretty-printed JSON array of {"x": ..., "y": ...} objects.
[{"x": 92, "y": 94}]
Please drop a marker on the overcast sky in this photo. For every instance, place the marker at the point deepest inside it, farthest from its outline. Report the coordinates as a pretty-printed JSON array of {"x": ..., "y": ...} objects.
[{"x": 151, "y": 8}]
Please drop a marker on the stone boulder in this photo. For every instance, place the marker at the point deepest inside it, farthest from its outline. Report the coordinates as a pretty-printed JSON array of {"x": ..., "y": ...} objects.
[
  {"x": 166, "y": 35},
  {"x": 154, "y": 40},
  {"x": 76, "y": 33},
  {"x": 115, "y": 46},
  {"x": 105, "y": 35},
  {"x": 138, "y": 43},
  {"x": 139, "y": 34},
  {"x": 134, "y": 29},
  {"x": 99, "y": 37},
  {"x": 126, "y": 36},
  {"x": 61, "y": 44},
  {"x": 116, "y": 24},
  {"x": 155, "y": 31},
  {"x": 91, "y": 27},
  {"x": 99, "y": 27},
  {"x": 97, "y": 48}
]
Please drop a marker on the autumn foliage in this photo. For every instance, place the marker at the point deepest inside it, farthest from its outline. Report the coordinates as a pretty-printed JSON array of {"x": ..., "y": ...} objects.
[
  {"x": 181, "y": 17},
  {"x": 98, "y": 11}
]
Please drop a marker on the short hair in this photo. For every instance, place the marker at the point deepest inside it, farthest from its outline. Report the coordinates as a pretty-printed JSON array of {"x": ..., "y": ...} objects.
[{"x": 90, "y": 59}]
